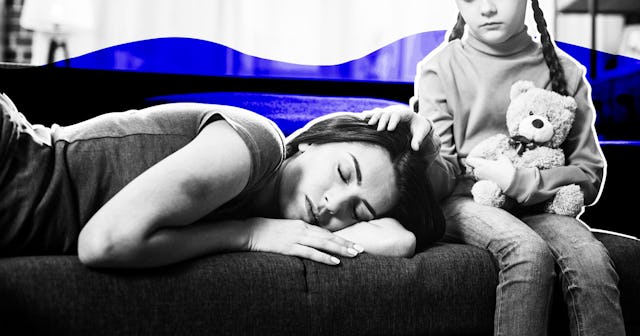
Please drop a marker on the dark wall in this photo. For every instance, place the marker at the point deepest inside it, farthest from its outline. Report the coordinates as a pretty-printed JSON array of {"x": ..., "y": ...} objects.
[
  {"x": 64, "y": 96},
  {"x": 619, "y": 206}
]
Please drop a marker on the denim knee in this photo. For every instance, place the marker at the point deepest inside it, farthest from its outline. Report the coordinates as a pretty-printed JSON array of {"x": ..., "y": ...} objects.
[
  {"x": 588, "y": 261},
  {"x": 530, "y": 255}
]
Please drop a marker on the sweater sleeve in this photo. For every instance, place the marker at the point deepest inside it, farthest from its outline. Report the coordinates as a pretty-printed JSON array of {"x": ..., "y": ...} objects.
[
  {"x": 441, "y": 183},
  {"x": 584, "y": 162},
  {"x": 432, "y": 104}
]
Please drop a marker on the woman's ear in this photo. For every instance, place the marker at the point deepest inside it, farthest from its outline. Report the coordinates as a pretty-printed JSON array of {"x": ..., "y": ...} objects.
[{"x": 303, "y": 146}]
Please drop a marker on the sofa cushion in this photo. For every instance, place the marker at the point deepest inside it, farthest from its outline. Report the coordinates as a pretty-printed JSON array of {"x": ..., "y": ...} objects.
[
  {"x": 224, "y": 294},
  {"x": 446, "y": 289},
  {"x": 625, "y": 253}
]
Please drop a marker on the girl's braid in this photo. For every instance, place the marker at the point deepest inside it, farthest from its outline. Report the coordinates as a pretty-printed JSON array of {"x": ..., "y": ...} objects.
[
  {"x": 558, "y": 81},
  {"x": 458, "y": 29}
]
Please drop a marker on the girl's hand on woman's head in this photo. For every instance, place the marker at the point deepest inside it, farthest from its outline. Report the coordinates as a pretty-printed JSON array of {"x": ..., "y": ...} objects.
[
  {"x": 389, "y": 117},
  {"x": 500, "y": 171},
  {"x": 298, "y": 238}
]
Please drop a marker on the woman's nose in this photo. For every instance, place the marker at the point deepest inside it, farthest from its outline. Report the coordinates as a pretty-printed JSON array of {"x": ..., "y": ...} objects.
[
  {"x": 336, "y": 201},
  {"x": 488, "y": 8}
]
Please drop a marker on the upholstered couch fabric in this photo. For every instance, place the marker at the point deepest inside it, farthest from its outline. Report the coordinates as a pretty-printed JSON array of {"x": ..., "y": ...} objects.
[{"x": 448, "y": 289}]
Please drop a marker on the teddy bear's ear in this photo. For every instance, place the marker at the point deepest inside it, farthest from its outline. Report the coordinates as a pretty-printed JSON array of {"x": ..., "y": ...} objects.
[
  {"x": 569, "y": 103},
  {"x": 520, "y": 87}
]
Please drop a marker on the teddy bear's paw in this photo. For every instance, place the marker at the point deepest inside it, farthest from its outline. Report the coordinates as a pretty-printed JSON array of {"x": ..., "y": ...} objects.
[
  {"x": 568, "y": 201},
  {"x": 543, "y": 158},
  {"x": 488, "y": 193}
]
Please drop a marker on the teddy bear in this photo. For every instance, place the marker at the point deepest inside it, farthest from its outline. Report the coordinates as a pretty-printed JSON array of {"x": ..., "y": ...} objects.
[{"x": 538, "y": 121}]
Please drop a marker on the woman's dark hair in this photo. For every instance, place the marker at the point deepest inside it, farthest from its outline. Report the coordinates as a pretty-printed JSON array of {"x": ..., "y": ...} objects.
[
  {"x": 558, "y": 81},
  {"x": 417, "y": 208}
]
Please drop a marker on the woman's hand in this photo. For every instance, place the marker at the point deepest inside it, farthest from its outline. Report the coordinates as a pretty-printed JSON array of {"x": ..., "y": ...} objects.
[
  {"x": 389, "y": 117},
  {"x": 500, "y": 171},
  {"x": 383, "y": 236},
  {"x": 297, "y": 238}
]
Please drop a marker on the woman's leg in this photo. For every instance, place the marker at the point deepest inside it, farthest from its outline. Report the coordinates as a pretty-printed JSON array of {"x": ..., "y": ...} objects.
[
  {"x": 589, "y": 280},
  {"x": 526, "y": 276}
]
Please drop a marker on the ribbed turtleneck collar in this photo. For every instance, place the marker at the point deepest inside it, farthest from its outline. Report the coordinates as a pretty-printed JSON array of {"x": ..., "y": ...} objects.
[{"x": 512, "y": 46}]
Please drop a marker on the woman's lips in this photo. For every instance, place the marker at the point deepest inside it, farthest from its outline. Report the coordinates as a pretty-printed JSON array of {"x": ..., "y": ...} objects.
[{"x": 311, "y": 214}]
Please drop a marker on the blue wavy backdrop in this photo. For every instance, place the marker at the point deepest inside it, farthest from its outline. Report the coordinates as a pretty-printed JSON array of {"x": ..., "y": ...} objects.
[{"x": 616, "y": 89}]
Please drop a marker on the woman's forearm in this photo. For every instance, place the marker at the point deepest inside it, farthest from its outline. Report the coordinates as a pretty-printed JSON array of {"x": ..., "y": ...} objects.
[
  {"x": 153, "y": 220},
  {"x": 171, "y": 244},
  {"x": 385, "y": 236},
  {"x": 164, "y": 246}
]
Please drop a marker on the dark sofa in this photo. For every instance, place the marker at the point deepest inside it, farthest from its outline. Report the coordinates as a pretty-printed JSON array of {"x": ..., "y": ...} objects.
[
  {"x": 448, "y": 289},
  {"x": 445, "y": 290}
]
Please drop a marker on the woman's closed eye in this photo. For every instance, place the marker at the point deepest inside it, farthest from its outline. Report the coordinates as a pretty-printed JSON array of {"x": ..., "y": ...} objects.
[
  {"x": 360, "y": 209},
  {"x": 344, "y": 175}
]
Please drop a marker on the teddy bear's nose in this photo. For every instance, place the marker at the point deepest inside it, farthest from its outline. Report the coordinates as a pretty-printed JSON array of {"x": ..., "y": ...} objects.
[{"x": 537, "y": 123}]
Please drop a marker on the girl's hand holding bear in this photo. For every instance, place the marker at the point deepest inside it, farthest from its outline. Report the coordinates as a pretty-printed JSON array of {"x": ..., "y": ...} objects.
[{"x": 500, "y": 171}]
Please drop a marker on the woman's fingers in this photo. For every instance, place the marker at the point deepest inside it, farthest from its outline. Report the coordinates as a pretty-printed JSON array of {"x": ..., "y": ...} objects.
[
  {"x": 328, "y": 245},
  {"x": 326, "y": 240},
  {"x": 322, "y": 232},
  {"x": 315, "y": 255},
  {"x": 297, "y": 238},
  {"x": 342, "y": 241},
  {"x": 320, "y": 244}
]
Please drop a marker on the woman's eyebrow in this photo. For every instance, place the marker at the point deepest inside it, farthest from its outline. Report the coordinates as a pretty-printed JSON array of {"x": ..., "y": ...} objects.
[
  {"x": 358, "y": 173},
  {"x": 359, "y": 181}
]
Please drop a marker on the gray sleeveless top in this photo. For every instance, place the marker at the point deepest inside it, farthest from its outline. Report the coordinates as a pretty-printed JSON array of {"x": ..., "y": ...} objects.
[{"x": 52, "y": 180}]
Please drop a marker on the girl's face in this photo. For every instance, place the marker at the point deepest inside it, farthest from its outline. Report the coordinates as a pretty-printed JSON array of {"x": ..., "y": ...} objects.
[
  {"x": 493, "y": 21},
  {"x": 335, "y": 185}
]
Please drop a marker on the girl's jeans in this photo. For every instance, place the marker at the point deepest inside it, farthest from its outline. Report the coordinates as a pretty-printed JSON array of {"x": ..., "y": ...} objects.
[{"x": 527, "y": 250}]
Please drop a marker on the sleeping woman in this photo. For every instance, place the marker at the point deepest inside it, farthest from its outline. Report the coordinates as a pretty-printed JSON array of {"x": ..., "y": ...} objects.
[{"x": 152, "y": 187}]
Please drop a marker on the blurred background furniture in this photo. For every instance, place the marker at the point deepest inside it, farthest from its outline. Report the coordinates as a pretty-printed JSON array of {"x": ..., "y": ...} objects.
[
  {"x": 630, "y": 42},
  {"x": 55, "y": 20},
  {"x": 594, "y": 8}
]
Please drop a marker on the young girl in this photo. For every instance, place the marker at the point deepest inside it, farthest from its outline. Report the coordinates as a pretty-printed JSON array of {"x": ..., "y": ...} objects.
[
  {"x": 463, "y": 88},
  {"x": 151, "y": 187}
]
